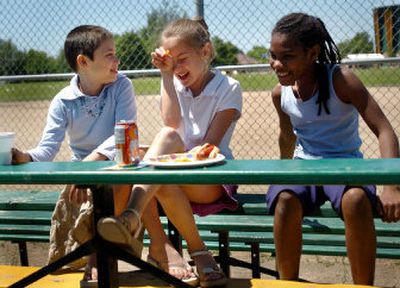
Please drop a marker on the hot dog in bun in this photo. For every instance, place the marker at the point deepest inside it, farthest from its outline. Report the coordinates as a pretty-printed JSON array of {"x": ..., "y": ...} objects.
[{"x": 205, "y": 151}]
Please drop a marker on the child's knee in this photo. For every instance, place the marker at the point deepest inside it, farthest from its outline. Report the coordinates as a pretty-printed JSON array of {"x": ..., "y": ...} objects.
[
  {"x": 168, "y": 193},
  {"x": 170, "y": 139},
  {"x": 287, "y": 204},
  {"x": 355, "y": 201},
  {"x": 168, "y": 133}
]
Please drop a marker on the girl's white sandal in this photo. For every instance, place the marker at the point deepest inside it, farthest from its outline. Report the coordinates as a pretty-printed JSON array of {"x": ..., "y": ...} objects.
[
  {"x": 209, "y": 270},
  {"x": 192, "y": 281},
  {"x": 117, "y": 229}
]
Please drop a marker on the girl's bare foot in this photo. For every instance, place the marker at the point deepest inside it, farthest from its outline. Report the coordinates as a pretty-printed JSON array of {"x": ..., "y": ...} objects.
[{"x": 165, "y": 257}]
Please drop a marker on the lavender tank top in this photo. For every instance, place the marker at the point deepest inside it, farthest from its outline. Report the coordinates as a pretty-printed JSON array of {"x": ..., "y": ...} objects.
[{"x": 333, "y": 135}]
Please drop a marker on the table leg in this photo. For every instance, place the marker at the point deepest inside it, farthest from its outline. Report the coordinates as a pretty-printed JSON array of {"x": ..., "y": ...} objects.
[
  {"x": 107, "y": 265},
  {"x": 79, "y": 252}
]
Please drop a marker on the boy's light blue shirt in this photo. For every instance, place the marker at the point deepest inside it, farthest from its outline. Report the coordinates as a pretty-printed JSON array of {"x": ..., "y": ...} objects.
[{"x": 88, "y": 120}]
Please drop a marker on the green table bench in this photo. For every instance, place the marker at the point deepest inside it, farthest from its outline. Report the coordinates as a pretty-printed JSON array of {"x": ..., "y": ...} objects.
[{"x": 25, "y": 217}]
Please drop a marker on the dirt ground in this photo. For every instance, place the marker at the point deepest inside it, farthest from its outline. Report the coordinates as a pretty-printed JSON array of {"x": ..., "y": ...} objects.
[
  {"x": 255, "y": 134},
  {"x": 255, "y": 137}
]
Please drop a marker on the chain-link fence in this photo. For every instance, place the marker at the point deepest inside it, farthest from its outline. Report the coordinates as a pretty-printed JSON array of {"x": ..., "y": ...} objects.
[{"x": 32, "y": 35}]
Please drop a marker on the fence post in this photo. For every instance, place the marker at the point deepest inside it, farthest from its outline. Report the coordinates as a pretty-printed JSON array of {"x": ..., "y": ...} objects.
[{"x": 200, "y": 8}]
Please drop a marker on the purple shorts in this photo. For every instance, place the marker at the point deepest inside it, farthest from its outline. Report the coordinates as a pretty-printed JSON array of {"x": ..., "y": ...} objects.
[
  {"x": 313, "y": 196},
  {"x": 227, "y": 201}
]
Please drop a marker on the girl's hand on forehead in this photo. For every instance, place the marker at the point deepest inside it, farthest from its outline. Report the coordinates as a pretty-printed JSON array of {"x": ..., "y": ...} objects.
[
  {"x": 167, "y": 53},
  {"x": 162, "y": 52},
  {"x": 162, "y": 59}
]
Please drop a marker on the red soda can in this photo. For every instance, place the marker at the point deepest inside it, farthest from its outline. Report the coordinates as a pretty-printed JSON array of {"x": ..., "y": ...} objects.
[{"x": 126, "y": 143}]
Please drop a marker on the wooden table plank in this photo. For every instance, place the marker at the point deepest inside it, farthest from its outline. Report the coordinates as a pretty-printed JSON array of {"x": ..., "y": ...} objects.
[{"x": 139, "y": 279}]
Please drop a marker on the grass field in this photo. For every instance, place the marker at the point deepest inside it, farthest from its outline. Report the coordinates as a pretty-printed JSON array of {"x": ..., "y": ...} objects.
[{"x": 33, "y": 91}]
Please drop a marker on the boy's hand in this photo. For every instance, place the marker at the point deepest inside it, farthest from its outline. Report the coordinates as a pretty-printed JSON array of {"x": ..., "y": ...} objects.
[
  {"x": 390, "y": 203},
  {"x": 19, "y": 157},
  {"x": 163, "y": 60},
  {"x": 78, "y": 195}
]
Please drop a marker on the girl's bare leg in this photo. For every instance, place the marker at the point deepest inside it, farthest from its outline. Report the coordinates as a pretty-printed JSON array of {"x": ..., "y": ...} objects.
[
  {"x": 161, "y": 249},
  {"x": 167, "y": 141},
  {"x": 360, "y": 235},
  {"x": 173, "y": 196},
  {"x": 121, "y": 195},
  {"x": 287, "y": 235}
]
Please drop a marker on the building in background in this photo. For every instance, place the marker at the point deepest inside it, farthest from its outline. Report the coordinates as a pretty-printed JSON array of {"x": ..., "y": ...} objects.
[{"x": 387, "y": 30}]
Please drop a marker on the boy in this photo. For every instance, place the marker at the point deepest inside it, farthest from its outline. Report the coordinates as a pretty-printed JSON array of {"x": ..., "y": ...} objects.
[{"x": 96, "y": 98}]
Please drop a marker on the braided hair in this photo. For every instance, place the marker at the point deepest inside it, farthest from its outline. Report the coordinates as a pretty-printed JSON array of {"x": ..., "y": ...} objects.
[{"x": 309, "y": 31}]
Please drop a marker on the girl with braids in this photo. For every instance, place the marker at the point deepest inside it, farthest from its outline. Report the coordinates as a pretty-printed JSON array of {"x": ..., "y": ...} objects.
[
  {"x": 318, "y": 104},
  {"x": 198, "y": 105}
]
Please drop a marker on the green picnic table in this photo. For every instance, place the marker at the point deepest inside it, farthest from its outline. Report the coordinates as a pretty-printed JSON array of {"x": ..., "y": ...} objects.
[{"x": 98, "y": 177}]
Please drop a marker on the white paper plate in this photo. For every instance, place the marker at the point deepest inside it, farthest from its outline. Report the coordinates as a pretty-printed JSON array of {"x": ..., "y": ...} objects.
[{"x": 182, "y": 160}]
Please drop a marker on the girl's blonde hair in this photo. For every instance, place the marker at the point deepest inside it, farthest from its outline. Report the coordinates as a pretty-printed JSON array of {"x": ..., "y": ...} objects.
[{"x": 194, "y": 32}]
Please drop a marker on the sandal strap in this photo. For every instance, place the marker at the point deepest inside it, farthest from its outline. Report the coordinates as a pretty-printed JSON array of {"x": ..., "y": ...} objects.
[
  {"x": 140, "y": 225},
  {"x": 199, "y": 253},
  {"x": 159, "y": 264}
]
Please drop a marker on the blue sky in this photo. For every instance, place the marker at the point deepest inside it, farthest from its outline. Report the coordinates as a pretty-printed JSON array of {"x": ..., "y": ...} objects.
[{"x": 43, "y": 24}]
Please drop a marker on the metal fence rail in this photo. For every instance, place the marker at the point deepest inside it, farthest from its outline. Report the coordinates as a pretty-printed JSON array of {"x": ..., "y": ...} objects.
[{"x": 156, "y": 72}]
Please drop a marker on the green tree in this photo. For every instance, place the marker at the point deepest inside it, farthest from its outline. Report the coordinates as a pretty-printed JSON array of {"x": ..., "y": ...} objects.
[
  {"x": 38, "y": 62},
  {"x": 360, "y": 43},
  {"x": 156, "y": 21},
  {"x": 225, "y": 52},
  {"x": 61, "y": 63},
  {"x": 12, "y": 60},
  {"x": 259, "y": 53},
  {"x": 131, "y": 52}
]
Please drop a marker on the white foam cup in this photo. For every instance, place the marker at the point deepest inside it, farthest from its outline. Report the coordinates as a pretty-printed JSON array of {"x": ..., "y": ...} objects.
[{"x": 6, "y": 143}]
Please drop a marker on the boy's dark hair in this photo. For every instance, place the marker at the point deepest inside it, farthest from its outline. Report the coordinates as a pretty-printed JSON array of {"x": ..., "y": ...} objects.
[
  {"x": 84, "y": 40},
  {"x": 309, "y": 31}
]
